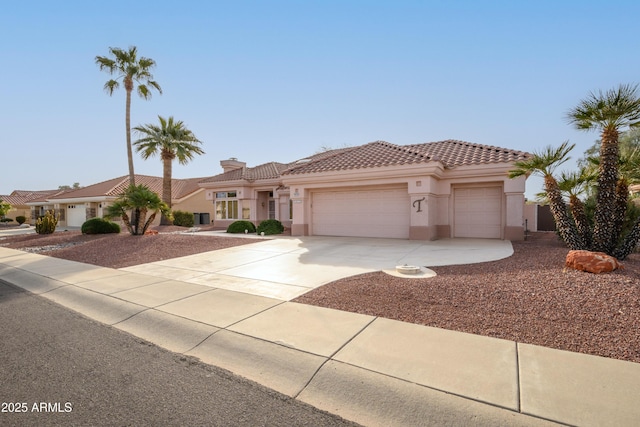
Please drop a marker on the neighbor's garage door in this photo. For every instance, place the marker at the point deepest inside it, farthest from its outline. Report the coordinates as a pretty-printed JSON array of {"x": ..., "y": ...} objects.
[
  {"x": 478, "y": 212},
  {"x": 361, "y": 213},
  {"x": 76, "y": 215}
]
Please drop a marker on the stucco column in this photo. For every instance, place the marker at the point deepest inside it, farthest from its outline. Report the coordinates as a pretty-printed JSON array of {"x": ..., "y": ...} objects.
[
  {"x": 301, "y": 211},
  {"x": 514, "y": 228}
]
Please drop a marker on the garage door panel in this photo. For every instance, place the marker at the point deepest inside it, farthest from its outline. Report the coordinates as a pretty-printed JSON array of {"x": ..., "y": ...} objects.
[
  {"x": 361, "y": 213},
  {"x": 478, "y": 212},
  {"x": 76, "y": 215}
]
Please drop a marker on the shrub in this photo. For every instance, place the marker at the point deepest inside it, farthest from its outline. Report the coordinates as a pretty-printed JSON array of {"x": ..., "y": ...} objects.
[
  {"x": 99, "y": 226},
  {"x": 270, "y": 226},
  {"x": 20, "y": 219},
  {"x": 47, "y": 223},
  {"x": 240, "y": 226},
  {"x": 183, "y": 219},
  {"x": 6, "y": 220}
]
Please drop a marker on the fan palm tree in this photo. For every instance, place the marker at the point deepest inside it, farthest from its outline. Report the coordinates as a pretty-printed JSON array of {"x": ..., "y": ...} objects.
[
  {"x": 608, "y": 112},
  {"x": 141, "y": 200},
  {"x": 574, "y": 184},
  {"x": 135, "y": 73},
  {"x": 544, "y": 164},
  {"x": 171, "y": 140}
]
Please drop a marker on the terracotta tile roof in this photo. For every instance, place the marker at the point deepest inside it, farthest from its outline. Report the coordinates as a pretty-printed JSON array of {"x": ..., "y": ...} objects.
[
  {"x": 116, "y": 186},
  {"x": 21, "y": 197},
  {"x": 450, "y": 153},
  {"x": 269, "y": 170},
  {"x": 457, "y": 153}
]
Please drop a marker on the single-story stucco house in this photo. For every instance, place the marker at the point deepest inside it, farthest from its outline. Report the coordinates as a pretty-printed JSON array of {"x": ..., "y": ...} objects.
[
  {"x": 421, "y": 191},
  {"x": 74, "y": 207},
  {"x": 19, "y": 199}
]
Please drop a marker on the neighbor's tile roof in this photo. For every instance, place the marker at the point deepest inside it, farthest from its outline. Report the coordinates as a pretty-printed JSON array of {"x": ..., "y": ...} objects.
[
  {"x": 116, "y": 186},
  {"x": 21, "y": 197},
  {"x": 450, "y": 153}
]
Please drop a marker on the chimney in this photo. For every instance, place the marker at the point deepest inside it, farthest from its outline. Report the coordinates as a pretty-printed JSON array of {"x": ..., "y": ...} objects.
[{"x": 231, "y": 164}]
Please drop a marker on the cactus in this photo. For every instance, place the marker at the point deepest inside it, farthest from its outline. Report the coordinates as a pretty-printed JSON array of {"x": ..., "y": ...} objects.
[{"x": 46, "y": 224}]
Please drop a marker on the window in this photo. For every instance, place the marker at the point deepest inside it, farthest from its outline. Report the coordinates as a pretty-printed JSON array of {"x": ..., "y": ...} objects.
[{"x": 226, "y": 205}]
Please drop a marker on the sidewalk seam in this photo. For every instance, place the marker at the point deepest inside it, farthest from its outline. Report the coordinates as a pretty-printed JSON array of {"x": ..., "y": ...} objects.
[{"x": 332, "y": 355}]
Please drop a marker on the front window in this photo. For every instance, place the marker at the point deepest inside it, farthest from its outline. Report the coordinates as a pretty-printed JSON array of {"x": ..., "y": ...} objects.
[{"x": 226, "y": 205}]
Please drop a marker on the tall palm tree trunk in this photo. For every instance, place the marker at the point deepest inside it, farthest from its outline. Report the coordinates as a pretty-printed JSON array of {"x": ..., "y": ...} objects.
[
  {"x": 132, "y": 178},
  {"x": 565, "y": 225},
  {"x": 167, "y": 162},
  {"x": 603, "y": 237}
]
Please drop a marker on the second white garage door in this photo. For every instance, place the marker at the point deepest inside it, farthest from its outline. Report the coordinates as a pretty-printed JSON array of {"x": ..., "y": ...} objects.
[
  {"x": 478, "y": 212},
  {"x": 361, "y": 213}
]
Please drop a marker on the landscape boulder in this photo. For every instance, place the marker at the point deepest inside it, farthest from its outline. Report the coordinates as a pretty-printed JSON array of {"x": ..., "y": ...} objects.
[{"x": 592, "y": 262}]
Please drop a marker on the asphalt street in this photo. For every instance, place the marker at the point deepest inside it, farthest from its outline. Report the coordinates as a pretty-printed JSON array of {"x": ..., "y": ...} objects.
[{"x": 60, "y": 368}]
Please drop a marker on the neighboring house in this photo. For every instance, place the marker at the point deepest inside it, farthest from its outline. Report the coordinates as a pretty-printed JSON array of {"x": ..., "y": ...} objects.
[
  {"x": 18, "y": 200},
  {"x": 74, "y": 207},
  {"x": 420, "y": 191}
]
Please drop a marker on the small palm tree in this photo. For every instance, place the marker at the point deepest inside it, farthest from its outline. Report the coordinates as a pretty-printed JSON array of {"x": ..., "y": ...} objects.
[
  {"x": 135, "y": 73},
  {"x": 544, "y": 164},
  {"x": 141, "y": 200},
  {"x": 609, "y": 112},
  {"x": 171, "y": 140},
  {"x": 574, "y": 184}
]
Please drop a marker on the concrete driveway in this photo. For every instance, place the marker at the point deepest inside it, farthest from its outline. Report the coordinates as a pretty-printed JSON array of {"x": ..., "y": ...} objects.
[{"x": 287, "y": 267}]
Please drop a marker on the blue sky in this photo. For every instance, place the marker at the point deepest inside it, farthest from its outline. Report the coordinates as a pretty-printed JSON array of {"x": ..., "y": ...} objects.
[{"x": 278, "y": 80}]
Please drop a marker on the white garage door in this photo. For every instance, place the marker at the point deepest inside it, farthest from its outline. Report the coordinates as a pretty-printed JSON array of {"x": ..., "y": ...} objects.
[
  {"x": 76, "y": 215},
  {"x": 478, "y": 212},
  {"x": 361, "y": 213}
]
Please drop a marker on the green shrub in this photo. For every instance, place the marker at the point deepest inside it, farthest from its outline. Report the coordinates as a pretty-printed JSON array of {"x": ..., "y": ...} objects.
[
  {"x": 20, "y": 219},
  {"x": 183, "y": 219},
  {"x": 270, "y": 226},
  {"x": 47, "y": 223},
  {"x": 6, "y": 220},
  {"x": 240, "y": 226},
  {"x": 99, "y": 226}
]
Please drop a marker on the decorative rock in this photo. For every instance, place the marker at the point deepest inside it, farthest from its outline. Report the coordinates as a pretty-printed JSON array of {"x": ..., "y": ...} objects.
[
  {"x": 151, "y": 232},
  {"x": 592, "y": 262}
]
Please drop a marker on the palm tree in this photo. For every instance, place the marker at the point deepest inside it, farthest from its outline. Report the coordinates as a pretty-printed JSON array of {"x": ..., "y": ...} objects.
[
  {"x": 135, "y": 73},
  {"x": 609, "y": 112},
  {"x": 544, "y": 164},
  {"x": 574, "y": 184},
  {"x": 171, "y": 140},
  {"x": 141, "y": 200}
]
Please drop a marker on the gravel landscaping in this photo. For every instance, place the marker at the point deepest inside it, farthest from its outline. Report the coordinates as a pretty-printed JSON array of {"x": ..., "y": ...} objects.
[{"x": 529, "y": 297}]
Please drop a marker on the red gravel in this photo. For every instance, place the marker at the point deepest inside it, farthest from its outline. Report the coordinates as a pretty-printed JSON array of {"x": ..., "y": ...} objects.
[{"x": 528, "y": 297}]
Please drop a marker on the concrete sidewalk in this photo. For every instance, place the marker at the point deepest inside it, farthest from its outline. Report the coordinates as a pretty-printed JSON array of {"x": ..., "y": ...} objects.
[{"x": 370, "y": 370}]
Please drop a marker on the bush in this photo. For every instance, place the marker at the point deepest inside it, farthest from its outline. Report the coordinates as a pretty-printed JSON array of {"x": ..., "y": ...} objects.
[
  {"x": 46, "y": 224},
  {"x": 6, "y": 220},
  {"x": 240, "y": 226},
  {"x": 270, "y": 226},
  {"x": 183, "y": 219},
  {"x": 20, "y": 219},
  {"x": 99, "y": 226}
]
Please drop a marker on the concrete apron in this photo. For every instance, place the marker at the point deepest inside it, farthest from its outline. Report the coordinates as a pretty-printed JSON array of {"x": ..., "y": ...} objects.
[{"x": 285, "y": 268}]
